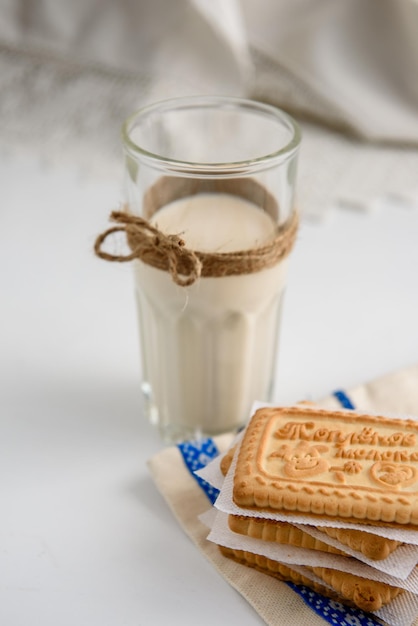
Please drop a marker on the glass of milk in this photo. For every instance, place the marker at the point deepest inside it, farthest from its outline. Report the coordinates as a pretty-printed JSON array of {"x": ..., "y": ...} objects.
[{"x": 220, "y": 173}]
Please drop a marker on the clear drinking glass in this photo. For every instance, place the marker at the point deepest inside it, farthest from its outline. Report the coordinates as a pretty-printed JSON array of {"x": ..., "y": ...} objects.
[{"x": 219, "y": 172}]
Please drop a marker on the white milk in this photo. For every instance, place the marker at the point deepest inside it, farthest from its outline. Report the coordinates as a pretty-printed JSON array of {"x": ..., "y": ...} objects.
[{"x": 209, "y": 350}]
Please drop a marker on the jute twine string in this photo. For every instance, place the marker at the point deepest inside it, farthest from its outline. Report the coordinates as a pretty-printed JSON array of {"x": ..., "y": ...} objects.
[
  {"x": 186, "y": 266},
  {"x": 167, "y": 252}
]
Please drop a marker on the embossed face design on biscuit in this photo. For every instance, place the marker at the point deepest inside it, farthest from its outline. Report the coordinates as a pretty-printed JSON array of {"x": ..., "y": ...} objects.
[
  {"x": 303, "y": 461},
  {"x": 393, "y": 475}
]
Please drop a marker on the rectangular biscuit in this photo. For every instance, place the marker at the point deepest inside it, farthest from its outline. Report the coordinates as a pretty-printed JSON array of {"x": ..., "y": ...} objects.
[
  {"x": 278, "y": 532},
  {"x": 276, "y": 569},
  {"x": 371, "y": 546},
  {"x": 368, "y": 595},
  {"x": 331, "y": 464}
]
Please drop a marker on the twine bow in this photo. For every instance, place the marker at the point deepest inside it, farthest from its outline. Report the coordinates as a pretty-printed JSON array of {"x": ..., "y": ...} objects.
[
  {"x": 170, "y": 253},
  {"x": 167, "y": 252}
]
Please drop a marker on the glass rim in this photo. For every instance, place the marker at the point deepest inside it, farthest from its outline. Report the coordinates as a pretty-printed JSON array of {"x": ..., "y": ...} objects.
[{"x": 219, "y": 168}]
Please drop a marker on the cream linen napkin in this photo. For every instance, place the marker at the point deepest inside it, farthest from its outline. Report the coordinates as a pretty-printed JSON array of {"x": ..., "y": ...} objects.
[{"x": 275, "y": 602}]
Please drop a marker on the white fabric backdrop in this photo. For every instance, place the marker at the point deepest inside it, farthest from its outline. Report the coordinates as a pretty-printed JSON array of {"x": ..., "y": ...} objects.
[{"x": 70, "y": 73}]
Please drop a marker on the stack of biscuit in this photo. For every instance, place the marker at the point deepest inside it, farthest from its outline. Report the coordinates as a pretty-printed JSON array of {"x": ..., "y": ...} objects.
[{"x": 306, "y": 463}]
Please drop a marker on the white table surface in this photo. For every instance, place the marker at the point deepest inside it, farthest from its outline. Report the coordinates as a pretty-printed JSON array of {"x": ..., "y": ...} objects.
[{"x": 86, "y": 539}]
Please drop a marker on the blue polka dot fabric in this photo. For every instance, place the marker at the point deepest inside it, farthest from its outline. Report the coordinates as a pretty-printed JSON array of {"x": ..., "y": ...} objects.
[
  {"x": 197, "y": 454},
  {"x": 332, "y": 611},
  {"x": 343, "y": 399}
]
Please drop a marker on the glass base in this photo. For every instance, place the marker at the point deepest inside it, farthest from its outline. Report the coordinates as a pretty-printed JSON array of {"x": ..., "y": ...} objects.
[{"x": 174, "y": 433}]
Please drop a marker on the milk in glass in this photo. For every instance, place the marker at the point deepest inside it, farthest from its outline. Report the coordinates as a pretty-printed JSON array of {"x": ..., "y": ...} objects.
[{"x": 208, "y": 350}]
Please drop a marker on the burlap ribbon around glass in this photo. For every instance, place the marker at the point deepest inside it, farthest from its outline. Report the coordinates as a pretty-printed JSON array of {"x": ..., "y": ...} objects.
[
  {"x": 169, "y": 252},
  {"x": 274, "y": 601}
]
